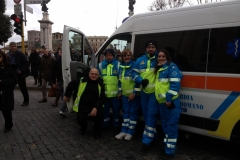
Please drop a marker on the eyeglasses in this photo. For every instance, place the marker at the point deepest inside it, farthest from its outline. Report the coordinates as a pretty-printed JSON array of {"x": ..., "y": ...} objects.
[{"x": 127, "y": 55}]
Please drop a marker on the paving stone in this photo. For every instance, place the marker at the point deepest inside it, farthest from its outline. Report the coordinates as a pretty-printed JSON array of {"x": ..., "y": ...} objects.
[{"x": 40, "y": 133}]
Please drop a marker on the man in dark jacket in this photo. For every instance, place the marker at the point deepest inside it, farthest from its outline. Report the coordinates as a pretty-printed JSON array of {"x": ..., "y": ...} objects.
[
  {"x": 46, "y": 70},
  {"x": 19, "y": 59},
  {"x": 89, "y": 101},
  {"x": 57, "y": 78}
]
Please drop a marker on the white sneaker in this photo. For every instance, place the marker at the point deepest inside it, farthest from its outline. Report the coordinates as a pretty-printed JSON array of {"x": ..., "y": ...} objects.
[
  {"x": 121, "y": 135},
  {"x": 128, "y": 137},
  {"x": 62, "y": 114}
]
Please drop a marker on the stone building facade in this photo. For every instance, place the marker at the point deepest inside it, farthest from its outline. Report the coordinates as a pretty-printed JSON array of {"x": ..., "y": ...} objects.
[
  {"x": 96, "y": 41},
  {"x": 34, "y": 39},
  {"x": 56, "y": 40}
]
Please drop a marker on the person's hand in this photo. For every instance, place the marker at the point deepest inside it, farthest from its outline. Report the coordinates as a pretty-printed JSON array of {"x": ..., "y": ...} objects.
[
  {"x": 54, "y": 85},
  {"x": 119, "y": 95},
  {"x": 66, "y": 99},
  {"x": 168, "y": 104},
  {"x": 19, "y": 72},
  {"x": 93, "y": 112},
  {"x": 131, "y": 97},
  {"x": 144, "y": 83}
]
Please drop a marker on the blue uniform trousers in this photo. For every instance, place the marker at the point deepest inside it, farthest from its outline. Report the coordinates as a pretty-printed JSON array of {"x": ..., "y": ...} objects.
[
  {"x": 115, "y": 104},
  {"x": 149, "y": 109},
  {"x": 130, "y": 114},
  {"x": 169, "y": 121}
]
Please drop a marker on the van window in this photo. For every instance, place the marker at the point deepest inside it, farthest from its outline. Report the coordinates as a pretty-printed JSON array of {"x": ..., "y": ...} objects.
[
  {"x": 87, "y": 53},
  {"x": 188, "y": 49},
  {"x": 224, "y": 52},
  {"x": 117, "y": 43},
  {"x": 76, "y": 45}
]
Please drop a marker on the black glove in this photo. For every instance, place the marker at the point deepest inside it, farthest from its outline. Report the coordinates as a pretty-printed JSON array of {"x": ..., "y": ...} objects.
[{"x": 144, "y": 83}]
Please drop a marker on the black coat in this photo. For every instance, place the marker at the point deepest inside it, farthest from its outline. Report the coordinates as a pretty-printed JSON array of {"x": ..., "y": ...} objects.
[
  {"x": 57, "y": 70},
  {"x": 34, "y": 61},
  {"x": 8, "y": 76},
  {"x": 22, "y": 63},
  {"x": 90, "y": 94}
]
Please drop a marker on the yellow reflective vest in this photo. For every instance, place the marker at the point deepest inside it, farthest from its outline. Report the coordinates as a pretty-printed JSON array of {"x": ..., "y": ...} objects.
[
  {"x": 81, "y": 88},
  {"x": 162, "y": 86}
]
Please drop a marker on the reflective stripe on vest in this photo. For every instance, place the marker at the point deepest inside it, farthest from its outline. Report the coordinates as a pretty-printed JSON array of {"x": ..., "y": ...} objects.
[
  {"x": 149, "y": 74},
  {"x": 81, "y": 88},
  {"x": 127, "y": 82},
  {"x": 111, "y": 82},
  {"x": 169, "y": 80},
  {"x": 163, "y": 86}
]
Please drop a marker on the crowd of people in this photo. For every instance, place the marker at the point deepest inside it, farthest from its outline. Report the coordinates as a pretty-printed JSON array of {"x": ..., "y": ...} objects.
[{"x": 150, "y": 84}]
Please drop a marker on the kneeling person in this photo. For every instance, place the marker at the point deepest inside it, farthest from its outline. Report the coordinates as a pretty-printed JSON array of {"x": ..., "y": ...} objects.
[{"x": 89, "y": 100}]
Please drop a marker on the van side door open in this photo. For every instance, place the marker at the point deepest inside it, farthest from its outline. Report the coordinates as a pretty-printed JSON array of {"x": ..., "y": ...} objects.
[{"x": 77, "y": 57}]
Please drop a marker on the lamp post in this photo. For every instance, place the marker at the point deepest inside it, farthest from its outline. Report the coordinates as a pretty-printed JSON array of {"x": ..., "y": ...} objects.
[{"x": 130, "y": 7}]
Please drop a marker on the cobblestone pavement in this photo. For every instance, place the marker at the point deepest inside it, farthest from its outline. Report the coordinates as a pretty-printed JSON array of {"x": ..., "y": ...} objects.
[{"x": 40, "y": 133}]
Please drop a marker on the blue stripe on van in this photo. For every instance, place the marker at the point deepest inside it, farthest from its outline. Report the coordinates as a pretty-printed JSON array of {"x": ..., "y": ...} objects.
[{"x": 224, "y": 106}]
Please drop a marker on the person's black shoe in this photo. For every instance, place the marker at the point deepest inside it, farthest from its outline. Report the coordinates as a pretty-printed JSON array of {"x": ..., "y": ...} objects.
[
  {"x": 24, "y": 104},
  {"x": 43, "y": 100},
  {"x": 81, "y": 132},
  {"x": 104, "y": 128},
  {"x": 7, "y": 130},
  {"x": 154, "y": 143},
  {"x": 96, "y": 135},
  {"x": 166, "y": 156},
  {"x": 117, "y": 130},
  {"x": 144, "y": 148}
]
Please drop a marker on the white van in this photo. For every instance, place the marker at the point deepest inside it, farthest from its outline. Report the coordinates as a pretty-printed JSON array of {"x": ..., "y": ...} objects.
[{"x": 204, "y": 41}]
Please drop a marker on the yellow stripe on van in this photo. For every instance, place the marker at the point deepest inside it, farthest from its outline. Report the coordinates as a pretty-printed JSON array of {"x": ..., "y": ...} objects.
[{"x": 227, "y": 121}]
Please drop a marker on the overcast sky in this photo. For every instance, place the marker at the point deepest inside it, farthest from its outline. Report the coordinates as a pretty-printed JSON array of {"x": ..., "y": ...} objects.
[{"x": 93, "y": 17}]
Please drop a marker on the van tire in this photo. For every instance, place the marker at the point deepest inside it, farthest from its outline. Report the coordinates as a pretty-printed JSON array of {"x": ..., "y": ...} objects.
[{"x": 236, "y": 142}]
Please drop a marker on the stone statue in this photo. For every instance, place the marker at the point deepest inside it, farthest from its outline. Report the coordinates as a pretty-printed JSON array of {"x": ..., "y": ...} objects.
[
  {"x": 131, "y": 3},
  {"x": 44, "y": 5}
]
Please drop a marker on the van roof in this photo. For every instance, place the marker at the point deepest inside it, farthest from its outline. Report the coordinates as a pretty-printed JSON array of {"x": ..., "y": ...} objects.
[{"x": 184, "y": 18}]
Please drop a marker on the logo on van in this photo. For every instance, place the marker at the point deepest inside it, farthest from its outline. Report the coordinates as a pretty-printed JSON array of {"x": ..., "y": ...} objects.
[{"x": 234, "y": 48}]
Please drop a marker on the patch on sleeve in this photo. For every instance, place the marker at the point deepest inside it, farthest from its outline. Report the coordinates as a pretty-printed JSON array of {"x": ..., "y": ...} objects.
[{"x": 174, "y": 73}]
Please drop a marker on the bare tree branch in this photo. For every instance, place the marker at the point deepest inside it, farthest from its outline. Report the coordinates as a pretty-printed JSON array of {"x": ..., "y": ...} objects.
[{"x": 165, "y": 4}]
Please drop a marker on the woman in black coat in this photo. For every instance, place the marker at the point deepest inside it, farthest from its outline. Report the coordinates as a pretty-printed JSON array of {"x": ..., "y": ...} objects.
[
  {"x": 8, "y": 80},
  {"x": 34, "y": 61}
]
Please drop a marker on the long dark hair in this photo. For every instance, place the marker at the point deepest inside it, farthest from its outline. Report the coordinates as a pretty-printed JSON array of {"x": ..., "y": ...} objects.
[
  {"x": 5, "y": 58},
  {"x": 168, "y": 57}
]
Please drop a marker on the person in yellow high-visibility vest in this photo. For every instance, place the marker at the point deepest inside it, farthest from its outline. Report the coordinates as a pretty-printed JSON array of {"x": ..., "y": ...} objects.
[
  {"x": 89, "y": 100},
  {"x": 168, "y": 79},
  {"x": 129, "y": 93},
  {"x": 143, "y": 73},
  {"x": 108, "y": 70}
]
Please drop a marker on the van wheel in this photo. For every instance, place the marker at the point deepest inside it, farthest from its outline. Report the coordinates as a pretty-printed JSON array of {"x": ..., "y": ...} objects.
[{"x": 236, "y": 142}]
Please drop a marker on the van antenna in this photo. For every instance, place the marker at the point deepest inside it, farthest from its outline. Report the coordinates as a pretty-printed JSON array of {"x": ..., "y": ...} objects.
[{"x": 117, "y": 16}]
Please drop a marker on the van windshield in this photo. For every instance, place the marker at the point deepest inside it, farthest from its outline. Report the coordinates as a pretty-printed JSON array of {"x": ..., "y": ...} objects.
[{"x": 117, "y": 43}]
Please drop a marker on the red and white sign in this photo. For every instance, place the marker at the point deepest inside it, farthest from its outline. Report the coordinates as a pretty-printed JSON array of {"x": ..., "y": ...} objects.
[{"x": 17, "y": 1}]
